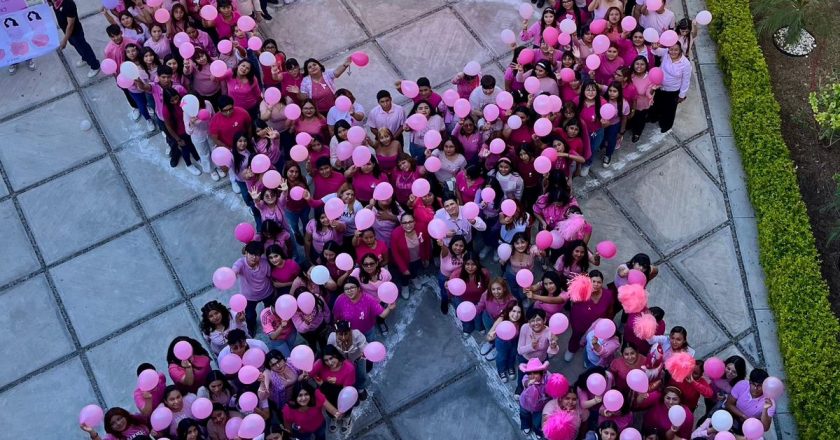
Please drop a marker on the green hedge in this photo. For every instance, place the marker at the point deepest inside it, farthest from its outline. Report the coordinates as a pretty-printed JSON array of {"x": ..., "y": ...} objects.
[{"x": 808, "y": 331}]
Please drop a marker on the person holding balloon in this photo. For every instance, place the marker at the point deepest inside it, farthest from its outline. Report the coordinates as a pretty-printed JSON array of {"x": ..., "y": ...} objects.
[
  {"x": 653, "y": 14},
  {"x": 119, "y": 425},
  {"x": 662, "y": 417},
  {"x": 676, "y": 80},
  {"x": 535, "y": 342},
  {"x": 411, "y": 250},
  {"x": 189, "y": 364},
  {"x": 505, "y": 345},
  {"x": 516, "y": 256},
  {"x": 254, "y": 274},
  {"x": 533, "y": 397},
  {"x": 131, "y": 28},
  {"x": 755, "y": 398},
  {"x": 303, "y": 413},
  {"x": 218, "y": 390},
  {"x": 181, "y": 145},
  {"x": 176, "y": 406},
  {"x": 351, "y": 343},
  {"x": 332, "y": 372},
  {"x": 278, "y": 379},
  {"x": 359, "y": 309},
  {"x": 318, "y": 83},
  {"x": 734, "y": 371},
  {"x": 490, "y": 307},
  {"x": 280, "y": 329}
]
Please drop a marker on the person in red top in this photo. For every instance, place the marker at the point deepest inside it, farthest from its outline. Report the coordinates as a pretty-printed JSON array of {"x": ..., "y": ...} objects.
[
  {"x": 190, "y": 374},
  {"x": 411, "y": 251},
  {"x": 327, "y": 180},
  {"x": 303, "y": 414},
  {"x": 365, "y": 242},
  {"x": 229, "y": 121},
  {"x": 332, "y": 373},
  {"x": 477, "y": 280},
  {"x": 693, "y": 387}
]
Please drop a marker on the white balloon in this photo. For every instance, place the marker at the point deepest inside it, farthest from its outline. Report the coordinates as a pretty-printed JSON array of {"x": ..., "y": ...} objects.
[
  {"x": 320, "y": 275},
  {"x": 677, "y": 415},
  {"x": 85, "y": 125},
  {"x": 514, "y": 122},
  {"x": 722, "y": 420},
  {"x": 129, "y": 70},
  {"x": 190, "y": 105}
]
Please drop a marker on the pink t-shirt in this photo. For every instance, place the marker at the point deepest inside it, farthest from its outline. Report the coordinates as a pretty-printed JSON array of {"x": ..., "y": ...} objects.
[
  {"x": 225, "y": 127},
  {"x": 372, "y": 287},
  {"x": 449, "y": 265},
  {"x": 271, "y": 322},
  {"x": 308, "y": 420},
  {"x": 201, "y": 368},
  {"x": 287, "y": 273},
  {"x": 130, "y": 433},
  {"x": 254, "y": 283},
  {"x": 345, "y": 376},
  {"x": 325, "y": 186},
  {"x": 361, "y": 314},
  {"x": 224, "y": 27},
  {"x": 379, "y": 250},
  {"x": 314, "y": 126},
  {"x": 157, "y": 393},
  {"x": 749, "y": 405},
  {"x": 364, "y": 184},
  {"x": 245, "y": 95},
  {"x": 320, "y": 238}
]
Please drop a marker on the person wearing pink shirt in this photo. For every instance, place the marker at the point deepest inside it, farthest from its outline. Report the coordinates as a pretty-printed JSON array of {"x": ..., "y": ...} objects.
[
  {"x": 202, "y": 82},
  {"x": 661, "y": 19},
  {"x": 225, "y": 21},
  {"x": 535, "y": 342},
  {"x": 147, "y": 401},
  {"x": 281, "y": 332},
  {"x": 616, "y": 127},
  {"x": 364, "y": 180},
  {"x": 313, "y": 326},
  {"x": 747, "y": 400},
  {"x": 490, "y": 307},
  {"x": 387, "y": 115},
  {"x": 318, "y": 83},
  {"x": 359, "y": 309},
  {"x": 735, "y": 371},
  {"x": 626, "y": 360},
  {"x": 303, "y": 414},
  {"x": 284, "y": 270},
  {"x": 332, "y": 372},
  {"x": 189, "y": 374},
  {"x": 253, "y": 273},
  {"x": 365, "y": 242},
  {"x": 115, "y": 50},
  {"x": 119, "y": 424},
  {"x": 585, "y": 313},
  {"x": 657, "y": 416},
  {"x": 544, "y": 72},
  {"x": 242, "y": 85},
  {"x": 533, "y": 34},
  {"x": 319, "y": 231}
]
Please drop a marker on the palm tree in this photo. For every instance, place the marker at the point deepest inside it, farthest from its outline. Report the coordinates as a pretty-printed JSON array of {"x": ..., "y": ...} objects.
[{"x": 796, "y": 15}]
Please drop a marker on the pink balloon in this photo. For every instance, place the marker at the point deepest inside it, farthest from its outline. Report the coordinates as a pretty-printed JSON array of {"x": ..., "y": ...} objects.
[
  {"x": 254, "y": 43},
  {"x": 593, "y": 62},
  {"x": 668, "y": 38},
  {"x": 470, "y": 210},
  {"x": 383, "y": 190},
  {"x": 252, "y": 426},
  {"x": 267, "y": 59},
  {"x": 606, "y": 249},
  {"x": 676, "y": 415},
  {"x": 653, "y": 5},
  {"x": 506, "y": 330},
  {"x": 558, "y": 323},
  {"x": 420, "y": 187},
  {"x": 244, "y": 232},
  {"x": 514, "y": 122},
  {"x": 638, "y": 381},
  {"x": 437, "y": 229},
  {"x": 364, "y": 219},
  {"x": 462, "y": 108},
  {"x": 630, "y": 434},
  {"x": 432, "y": 139},
  {"x": 302, "y": 358},
  {"x": 248, "y": 401},
  {"x": 568, "y": 26},
  {"x": 456, "y": 286},
  {"x": 147, "y": 380},
  {"x": 360, "y": 58},
  {"x": 509, "y": 207},
  {"x": 303, "y": 138},
  {"x": 504, "y": 251},
  {"x": 613, "y": 400},
  {"x": 306, "y": 301},
  {"x": 342, "y": 103},
  {"x": 488, "y": 194},
  {"x": 201, "y": 408},
  {"x": 409, "y": 89},
  {"x": 608, "y": 111},
  {"x": 224, "y": 278},
  {"x": 161, "y": 417},
  {"x": 347, "y": 398},
  {"x": 550, "y": 154},
  {"x": 271, "y": 179},
  {"x": 714, "y": 368},
  {"x": 108, "y": 66},
  {"x": 230, "y": 364},
  {"x": 466, "y": 311},
  {"x": 753, "y": 429},
  {"x": 432, "y": 164},
  {"x": 526, "y": 56},
  {"x": 544, "y": 239},
  {"x": 204, "y": 114},
  {"x": 637, "y": 277},
  {"x": 497, "y": 146},
  {"x": 345, "y": 150},
  {"x": 556, "y": 103},
  {"x": 254, "y": 357},
  {"x": 152, "y": 3},
  {"x": 542, "y": 127},
  {"x": 550, "y": 35},
  {"x": 524, "y": 278},
  {"x": 656, "y": 76},
  {"x": 183, "y": 350},
  {"x": 449, "y": 97},
  {"x": 596, "y": 384},
  {"x": 334, "y": 208},
  {"x": 557, "y": 239},
  {"x": 162, "y": 16},
  {"x": 504, "y": 100},
  {"x": 600, "y": 44},
  {"x": 297, "y": 192},
  {"x": 344, "y": 261},
  {"x": 542, "y": 104},
  {"x": 246, "y": 23},
  {"x": 292, "y": 111},
  {"x": 508, "y": 37},
  {"x": 299, "y": 153},
  {"x": 598, "y": 26},
  {"x": 564, "y": 39},
  {"x": 773, "y": 387},
  {"x": 387, "y": 292},
  {"x": 260, "y": 163},
  {"x": 604, "y": 328},
  {"x": 361, "y": 156},
  {"x": 92, "y": 415},
  {"x": 526, "y": 11},
  {"x": 124, "y": 81},
  {"x": 473, "y": 68},
  {"x": 725, "y": 435},
  {"x": 248, "y": 374},
  {"x": 375, "y": 351},
  {"x": 356, "y": 135},
  {"x": 225, "y": 47},
  {"x": 238, "y": 302},
  {"x": 651, "y": 35},
  {"x": 232, "y": 427},
  {"x": 628, "y": 23},
  {"x": 491, "y": 112},
  {"x": 209, "y": 12},
  {"x": 272, "y": 96},
  {"x": 703, "y": 18},
  {"x": 532, "y": 85},
  {"x": 218, "y": 68},
  {"x": 285, "y": 306}
]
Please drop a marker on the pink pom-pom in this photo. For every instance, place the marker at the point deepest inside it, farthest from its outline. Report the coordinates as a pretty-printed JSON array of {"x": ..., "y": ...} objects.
[
  {"x": 632, "y": 297},
  {"x": 580, "y": 289},
  {"x": 644, "y": 327},
  {"x": 562, "y": 425},
  {"x": 680, "y": 365},
  {"x": 557, "y": 386},
  {"x": 571, "y": 228}
]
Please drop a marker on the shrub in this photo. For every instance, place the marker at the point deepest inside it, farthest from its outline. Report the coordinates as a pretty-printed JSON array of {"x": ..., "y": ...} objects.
[
  {"x": 808, "y": 331},
  {"x": 825, "y": 103}
]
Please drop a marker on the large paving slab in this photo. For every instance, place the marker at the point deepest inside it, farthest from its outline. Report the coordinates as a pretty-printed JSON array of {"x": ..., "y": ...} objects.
[
  {"x": 295, "y": 33},
  {"x": 26, "y": 87},
  {"x": 378, "y": 16},
  {"x": 488, "y": 19},
  {"x": 22, "y": 261}
]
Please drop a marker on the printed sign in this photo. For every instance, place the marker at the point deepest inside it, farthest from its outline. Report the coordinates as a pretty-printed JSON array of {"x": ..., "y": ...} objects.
[{"x": 27, "y": 31}]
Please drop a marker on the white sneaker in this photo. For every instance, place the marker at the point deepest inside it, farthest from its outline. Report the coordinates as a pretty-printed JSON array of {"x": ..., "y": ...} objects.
[
  {"x": 491, "y": 356},
  {"x": 168, "y": 150},
  {"x": 31, "y": 64},
  {"x": 584, "y": 171},
  {"x": 81, "y": 63},
  {"x": 486, "y": 347},
  {"x": 150, "y": 126},
  {"x": 192, "y": 169},
  {"x": 134, "y": 114},
  {"x": 214, "y": 175},
  {"x": 235, "y": 187},
  {"x": 568, "y": 356},
  {"x": 221, "y": 172},
  {"x": 92, "y": 73},
  {"x": 12, "y": 69}
]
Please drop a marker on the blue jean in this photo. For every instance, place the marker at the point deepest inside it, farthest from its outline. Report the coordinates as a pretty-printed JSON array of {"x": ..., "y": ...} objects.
[
  {"x": 246, "y": 197},
  {"x": 361, "y": 374},
  {"x": 251, "y": 313},
  {"x": 530, "y": 420},
  {"x": 510, "y": 277},
  {"x": 284, "y": 345},
  {"x": 486, "y": 320},
  {"x": 611, "y": 137},
  {"x": 490, "y": 236},
  {"x": 296, "y": 219},
  {"x": 140, "y": 100},
  {"x": 505, "y": 355},
  {"x": 418, "y": 152},
  {"x": 595, "y": 140}
]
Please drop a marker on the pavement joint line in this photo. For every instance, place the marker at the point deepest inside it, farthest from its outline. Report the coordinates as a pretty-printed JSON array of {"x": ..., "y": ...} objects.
[
  {"x": 633, "y": 222},
  {"x": 370, "y": 39},
  {"x": 693, "y": 242},
  {"x": 705, "y": 171},
  {"x": 606, "y": 181}
]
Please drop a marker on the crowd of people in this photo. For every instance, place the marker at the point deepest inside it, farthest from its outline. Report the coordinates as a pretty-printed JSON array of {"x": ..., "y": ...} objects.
[{"x": 470, "y": 193}]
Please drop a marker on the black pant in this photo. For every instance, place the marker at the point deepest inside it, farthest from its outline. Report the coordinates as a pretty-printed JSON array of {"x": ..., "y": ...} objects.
[
  {"x": 77, "y": 40},
  {"x": 251, "y": 313},
  {"x": 638, "y": 121},
  {"x": 664, "y": 108},
  {"x": 129, "y": 99}
]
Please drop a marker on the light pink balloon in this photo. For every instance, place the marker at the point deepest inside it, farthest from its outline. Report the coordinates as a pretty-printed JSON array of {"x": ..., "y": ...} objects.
[
  {"x": 360, "y": 58},
  {"x": 285, "y": 307},
  {"x": 504, "y": 100},
  {"x": 248, "y": 374},
  {"x": 356, "y": 135},
  {"x": 630, "y": 434},
  {"x": 714, "y": 368},
  {"x": 753, "y": 429},
  {"x": 246, "y": 23},
  {"x": 725, "y": 435},
  {"x": 558, "y": 323},
  {"x": 306, "y": 302},
  {"x": 432, "y": 164},
  {"x": 344, "y": 261},
  {"x": 613, "y": 400},
  {"x": 606, "y": 249},
  {"x": 556, "y": 103},
  {"x": 209, "y": 12},
  {"x": 568, "y": 26},
  {"x": 162, "y": 16},
  {"x": 364, "y": 219},
  {"x": 147, "y": 380},
  {"x": 361, "y": 156},
  {"x": 542, "y": 105},
  {"x": 232, "y": 427},
  {"x": 550, "y": 154},
  {"x": 224, "y": 278},
  {"x": 343, "y": 104},
  {"x": 108, "y": 66},
  {"x": 524, "y": 278},
  {"x": 508, "y": 36},
  {"x": 466, "y": 311},
  {"x": 532, "y": 85},
  {"x": 387, "y": 292},
  {"x": 161, "y": 417},
  {"x": 651, "y": 35},
  {"x": 244, "y": 232},
  {"x": 550, "y": 35},
  {"x": 544, "y": 238},
  {"x": 334, "y": 208},
  {"x": 656, "y": 76},
  {"x": 470, "y": 210},
  {"x": 596, "y": 384},
  {"x": 491, "y": 112},
  {"x": 303, "y": 138},
  {"x": 292, "y": 111},
  {"x": 473, "y": 68},
  {"x": 345, "y": 150},
  {"x": 637, "y": 277},
  {"x": 456, "y": 286},
  {"x": 773, "y": 387},
  {"x": 238, "y": 302},
  {"x": 432, "y": 139},
  {"x": 497, "y": 146},
  {"x": 488, "y": 194},
  {"x": 298, "y": 153},
  {"x": 653, "y": 5},
  {"x": 462, "y": 108},
  {"x": 383, "y": 191},
  {"x": 564, "y": 39},
  {"x": 600, "y": 44},
  {"x": 676, "y": 415},
  {"x": 254, "y": 43},
  {"x": 260, "y": 163},
  {"x": 254, "y": 357},
  {"x": 248, "y": 401},
  {"x": 437, "y": 229},
  {"x": 297, "y": 193},
  {"x": 504, "y": 251},
  {"x": 272, "y": 95},
  {"x": 375, "y": 351},
  {"x": 347, "y": 398},
  {"x": 703, "y": 18},
  {"x": 593, "y": 62},
  {"x": 526, "y": 10},
  {"x": 668, "y": 38},
  {"x": 608, "y": 111},
  {"x": 409, "y": 88},
  {"x": 302, "y": 358},
  {"x": 201, "y": 408},
  {"x": 124, "y": 82},
  {"x": 514, "y": 122},
  {"x": 508, "y": 207},
  {"x": 638, "y": 381},
  {"x": 230, "y": 364},
  {"x": 449, "y": 97},
  {"x": 506, "y": 330},
  {"x": 218, "y": 68},
  {"x": 182, "y": 350},
  {"x": 542, "y": 127},
  {"x": 628, "y": 23},
  {"x": 420, "y": 187},
  {"x": 252, "y": 426},
  {"x": 604, "y": 328},
  {"x": 271, "y": 179},
  {"x": 267, "y": 59},
  {"x": 92, "y": 415},
  {"x": 225, "y": 47}
]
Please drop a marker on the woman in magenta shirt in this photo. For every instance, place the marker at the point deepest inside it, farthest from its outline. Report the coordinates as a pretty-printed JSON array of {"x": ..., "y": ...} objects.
[
  {"x": 202, "y": 82},
  {"x": 303, "y": 414},
  {"x": 657, "y": 416},
  {"x": 119, "y": 425},
  {"x": 283, "y": 269},
  {"x": 477, "y": 279},
  {"x": 243, "y": 87},
  {"x": 319, "y": 231},
  {"x": 365, "y": 242},
  {"x": 311, "y": 121},
  {"x": 190, "y": 374},
  {"x": 589, "y": 109},
  {"x": 583, "y": 314},
  {"x": 469, "y": 137},
  {"x": 359, "y": 309},
  {"x": 365, "y": 179},
  {"x": 332, "y": 373}
]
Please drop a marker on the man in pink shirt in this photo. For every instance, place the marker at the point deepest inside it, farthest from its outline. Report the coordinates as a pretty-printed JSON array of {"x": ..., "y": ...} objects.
[
  {"x": 387, "y": 115},
  {"x": 327, "y": 181},
  {"x": 747, "y": 400},
  {"x": 169, "y": 132},
  {"x": 115, "y": 50},
  {"x": 229, "y": 121},
  {"x": 254, "y": 275}
]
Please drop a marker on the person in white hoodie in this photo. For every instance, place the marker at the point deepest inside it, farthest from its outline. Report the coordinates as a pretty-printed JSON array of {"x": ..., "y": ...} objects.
[{"x": 197, "y": 127}]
